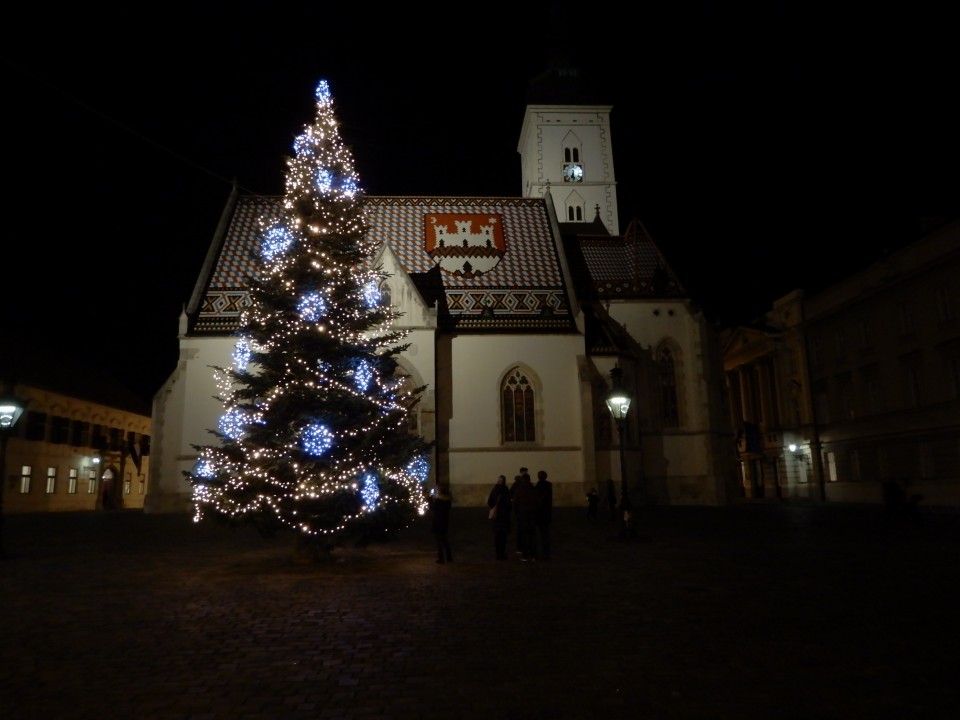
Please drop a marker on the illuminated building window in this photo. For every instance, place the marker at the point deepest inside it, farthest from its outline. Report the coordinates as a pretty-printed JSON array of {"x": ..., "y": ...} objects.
[
  {"x": 518, "y": 408},
  {"x": 25, "y": 474}
]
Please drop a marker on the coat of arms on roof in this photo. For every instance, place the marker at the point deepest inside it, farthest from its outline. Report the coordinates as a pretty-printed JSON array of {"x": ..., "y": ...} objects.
[{"x": 466, "y": 245}]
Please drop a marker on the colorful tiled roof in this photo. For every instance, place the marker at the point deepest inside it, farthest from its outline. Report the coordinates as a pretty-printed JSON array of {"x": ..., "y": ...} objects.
[
  {"x": 630, "y": 266},
  {"x": 496, "y": 258}
]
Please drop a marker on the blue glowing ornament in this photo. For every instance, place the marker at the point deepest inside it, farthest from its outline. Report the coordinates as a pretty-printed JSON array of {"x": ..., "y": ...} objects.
[
  {"x": 312, "y": 307},
  {"x": 232, "y": 423},
  {"x": 241, "y": 354},
  {"x": 362, "y": 375},
  {"x": 349, "y": 187},
  {"x": 276, "y": 241},
  {"x": 369, "y": 492},
  {"x": 303, "y": 145},
  {"x": 371, "y": 294},
  {"x": 204, "y": 469},
  {"x": 316, "y": 439},
  {"x": 322, "y": 92},
  {"x": 419, "y": 468},
  {"x": 324, "y": 180}
]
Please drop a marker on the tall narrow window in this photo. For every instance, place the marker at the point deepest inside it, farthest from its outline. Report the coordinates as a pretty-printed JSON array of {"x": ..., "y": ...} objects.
[
  {"x": 91, "y": 481},
  {"x": 668, "y": 387},
  {"x": 36, "y": 425},
  {"x": 80, "y": 433},
  {"x": 26, "y": 472},
  {"x": 518, "y": 406},
  {"x": 51, "y": 480},
  {"x": 72, "y": 482}
]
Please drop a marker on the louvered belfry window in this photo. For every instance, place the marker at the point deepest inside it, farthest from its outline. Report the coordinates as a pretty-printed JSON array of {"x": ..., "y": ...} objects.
[{"x": 518, "y": 405}]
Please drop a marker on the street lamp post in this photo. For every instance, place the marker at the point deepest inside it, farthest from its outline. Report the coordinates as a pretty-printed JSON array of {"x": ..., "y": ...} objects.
[
  {"x": 10, "y": 411},
  {"x": 618, "y": 402}
]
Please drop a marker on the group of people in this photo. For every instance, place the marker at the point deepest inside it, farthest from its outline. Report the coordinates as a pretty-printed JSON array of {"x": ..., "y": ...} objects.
[{"x": 532, "y": 504}]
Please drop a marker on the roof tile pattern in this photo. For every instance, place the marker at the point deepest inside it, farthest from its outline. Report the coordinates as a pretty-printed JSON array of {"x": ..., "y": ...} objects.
[
  {"x": 629, "y": 266},
  {"x": 498, "y": 262}
]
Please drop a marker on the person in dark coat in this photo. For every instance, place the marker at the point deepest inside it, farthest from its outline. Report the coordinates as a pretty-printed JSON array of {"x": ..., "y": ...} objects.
[
  {"x": 499, "y": 498},
  {"x": 612, "y": 499},
  {"x": 544, "y": 512},
  {"x": 513, "y": 490},
  {"x": 593, "y": 501},
  {"x": 440, "y": 505},
  {"x": 525, "y": 502}
]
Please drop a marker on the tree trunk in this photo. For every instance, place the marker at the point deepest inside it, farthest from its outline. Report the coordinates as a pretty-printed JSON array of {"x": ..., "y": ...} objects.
[{"x": 309, "y": 549}]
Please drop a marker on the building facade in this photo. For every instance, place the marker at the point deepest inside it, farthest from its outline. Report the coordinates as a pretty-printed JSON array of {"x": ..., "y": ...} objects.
[
  {"x": 835, "y": 395},
  {"x": 81, "y": 443}
]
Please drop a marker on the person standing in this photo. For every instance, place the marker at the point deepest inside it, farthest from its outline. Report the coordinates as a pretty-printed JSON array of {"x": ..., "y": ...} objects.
[
  {"x": 525, "y": 502},
  {"x": 544, "y": 490},
  {"x": 499, "y": 500},
  {"x": 612, "y": 499},
  {"x": 513, "y": 493},
  {"x": 593, "y": 500},
  {"x": 440, "y": 505}
]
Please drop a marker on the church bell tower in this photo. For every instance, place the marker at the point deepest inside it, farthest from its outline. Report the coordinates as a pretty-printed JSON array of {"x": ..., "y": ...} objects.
[{"x": 565, "y": 146}]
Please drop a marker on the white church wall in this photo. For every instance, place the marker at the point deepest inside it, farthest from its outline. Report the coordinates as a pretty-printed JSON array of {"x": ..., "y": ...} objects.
[
  {"x": 185, "y": 409},
  {"x": 476, "y": 453},
  {"x": 678, "y": 462}
]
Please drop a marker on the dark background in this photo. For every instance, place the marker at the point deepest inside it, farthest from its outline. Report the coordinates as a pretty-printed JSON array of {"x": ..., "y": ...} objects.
[{"x": 765, "y": 148}]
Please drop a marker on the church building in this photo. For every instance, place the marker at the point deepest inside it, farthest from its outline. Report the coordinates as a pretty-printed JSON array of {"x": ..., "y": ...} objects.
[{"x": 523, "y": 313}]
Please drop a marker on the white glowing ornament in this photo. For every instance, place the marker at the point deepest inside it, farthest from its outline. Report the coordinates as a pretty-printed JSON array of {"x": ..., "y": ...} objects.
[
  {"x": 419, "y": 468},
  {"x": 312, "y": 307},
  {"x": 369, "y": 491},
  {"x": 276, "y": 241},
  {"x": 241, "y": 354},
  {"x": 324, "y": 181},
  {"x": 232, "y": 423},
  {"x": 204, "y": 469},
  {"x": 349, "y": 187},
  {"x": 316, "y": 439},
  {"x": 303, "y": 145},
  {"x": 362, "y": 376},
  {"x": 371, "y": 294},
  {"x": 322, "y": 92}
]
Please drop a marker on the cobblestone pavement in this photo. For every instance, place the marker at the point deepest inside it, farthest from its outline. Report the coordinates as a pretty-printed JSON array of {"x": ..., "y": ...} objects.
[{"x": 752, "y": 611}]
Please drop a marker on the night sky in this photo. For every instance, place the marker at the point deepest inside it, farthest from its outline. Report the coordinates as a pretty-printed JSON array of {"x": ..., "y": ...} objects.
[{"x": 764, "y": 149}]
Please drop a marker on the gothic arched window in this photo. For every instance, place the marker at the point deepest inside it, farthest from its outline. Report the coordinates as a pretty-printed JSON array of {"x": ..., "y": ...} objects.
[
  {"x": 574, "y": 212},
  {"x": 517, "y": 408},
  {"x": 667, "y": 380}
]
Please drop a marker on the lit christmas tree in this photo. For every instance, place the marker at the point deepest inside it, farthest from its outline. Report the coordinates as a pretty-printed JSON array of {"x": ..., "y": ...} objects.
[{"x": 316, "y": 431}]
